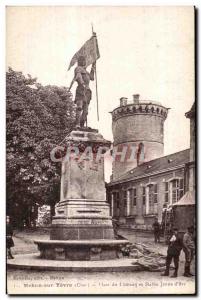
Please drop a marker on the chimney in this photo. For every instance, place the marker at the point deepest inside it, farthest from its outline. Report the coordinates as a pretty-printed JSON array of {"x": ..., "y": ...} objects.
[
  {"x": 136, "y": 98},
  {"x": 123, "y": 101}
]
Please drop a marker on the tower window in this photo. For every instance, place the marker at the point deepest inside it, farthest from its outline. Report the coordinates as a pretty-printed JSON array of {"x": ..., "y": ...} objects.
[{"x": 140, "y": 153}]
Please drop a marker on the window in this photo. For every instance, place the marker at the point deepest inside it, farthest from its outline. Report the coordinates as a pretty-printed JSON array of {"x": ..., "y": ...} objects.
[
  {"x": 134, "y": 200},
  {"x": 125, "y": 198},
  {"x": 151, "y": 198},
  {"x": 143, "y": 195},
  {"x": 166, "y": 192},
  {"x": 181, "y": 188},
  {"x": 155, "y": 193},
  {"x": 133, "y": 196},
  {"x": 177, "y": 189}
]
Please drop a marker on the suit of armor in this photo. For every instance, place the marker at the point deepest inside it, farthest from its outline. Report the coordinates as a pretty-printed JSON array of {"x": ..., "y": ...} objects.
[{"x": 83, "y": 92}]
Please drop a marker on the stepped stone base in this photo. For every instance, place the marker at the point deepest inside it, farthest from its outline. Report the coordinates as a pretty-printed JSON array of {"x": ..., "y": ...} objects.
[
  {"x": 80, "y": 249},
  {"x": 33, "y": 262}
]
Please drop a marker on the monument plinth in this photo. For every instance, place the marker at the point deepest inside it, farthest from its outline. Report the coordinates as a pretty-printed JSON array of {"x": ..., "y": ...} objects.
[
  {"x": 82, "y": 226},
  {"x": 82, "y": 212}
]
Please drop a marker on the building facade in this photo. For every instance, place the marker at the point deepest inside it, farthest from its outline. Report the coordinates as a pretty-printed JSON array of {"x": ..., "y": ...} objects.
[
  {"x": 139, "y": 190},
  {"x": 138, "y": 197}
]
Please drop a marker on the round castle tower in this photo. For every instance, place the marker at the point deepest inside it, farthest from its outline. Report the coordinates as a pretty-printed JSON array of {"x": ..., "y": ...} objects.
[{"x": 138, "y": 127}]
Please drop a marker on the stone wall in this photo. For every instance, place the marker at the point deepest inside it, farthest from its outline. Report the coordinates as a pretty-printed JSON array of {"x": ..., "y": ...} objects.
[{"x": 136, "y": 127}]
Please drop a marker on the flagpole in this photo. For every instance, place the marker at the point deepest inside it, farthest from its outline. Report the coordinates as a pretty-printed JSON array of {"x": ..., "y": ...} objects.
[
  {"x": 96, "y": 93},
  {"x": 94, "y": 34}
]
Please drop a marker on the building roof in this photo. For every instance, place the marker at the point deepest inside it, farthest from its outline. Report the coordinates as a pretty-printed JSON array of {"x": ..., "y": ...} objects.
[
  {"x": 187, "y": 199},
  {"x": 157, "y": 165}
]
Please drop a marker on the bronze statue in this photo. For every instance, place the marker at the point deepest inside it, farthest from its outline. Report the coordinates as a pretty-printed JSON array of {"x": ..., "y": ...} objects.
[{"x": 83, "y": 92}]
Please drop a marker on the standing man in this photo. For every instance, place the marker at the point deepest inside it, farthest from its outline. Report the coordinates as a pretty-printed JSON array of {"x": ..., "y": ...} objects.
[
  {"x": 9, "y": 239},
  {"x": 189, "y": 249},
  {"x": 173, "y": 252},
  {"x": 156, "y": 228}
]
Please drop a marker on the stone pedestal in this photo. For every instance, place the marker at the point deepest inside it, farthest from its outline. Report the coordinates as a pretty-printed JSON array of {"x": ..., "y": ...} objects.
[
  {"x": 82, "y": 226},
  {"x": 82, "y": 212}
]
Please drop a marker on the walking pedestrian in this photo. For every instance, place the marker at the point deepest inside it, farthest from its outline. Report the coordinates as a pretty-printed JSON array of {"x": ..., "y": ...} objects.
[
  {"x": 173, "y": 253},
  {"x": 156, "y": 229}
]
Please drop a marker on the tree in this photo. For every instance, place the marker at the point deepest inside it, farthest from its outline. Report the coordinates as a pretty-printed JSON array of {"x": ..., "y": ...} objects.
[{"x": 38, "y": 118}]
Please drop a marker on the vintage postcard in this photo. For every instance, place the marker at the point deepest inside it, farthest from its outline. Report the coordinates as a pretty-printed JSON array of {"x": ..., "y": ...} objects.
[{"x": 100, "y": 123}]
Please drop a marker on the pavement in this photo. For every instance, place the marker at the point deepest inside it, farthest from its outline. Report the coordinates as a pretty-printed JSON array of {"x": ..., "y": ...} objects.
[
  {"x": 24, "y": 241},
  {"x": 62, "y": 282}
]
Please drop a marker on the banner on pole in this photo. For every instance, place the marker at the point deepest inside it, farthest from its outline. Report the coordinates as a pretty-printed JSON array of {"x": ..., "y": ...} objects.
[{"x": 89, "y": 50}]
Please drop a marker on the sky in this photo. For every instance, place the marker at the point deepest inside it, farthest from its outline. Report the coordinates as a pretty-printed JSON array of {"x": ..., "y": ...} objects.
[{"x": 143, "y": 50}]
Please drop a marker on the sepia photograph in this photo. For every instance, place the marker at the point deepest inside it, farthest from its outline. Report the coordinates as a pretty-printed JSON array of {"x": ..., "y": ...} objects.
[{"x": 100, "y": 150}]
